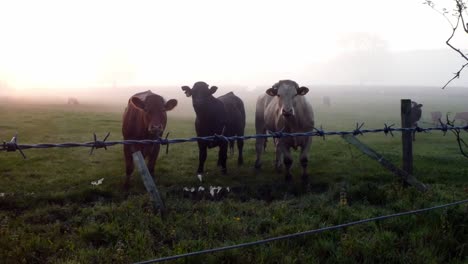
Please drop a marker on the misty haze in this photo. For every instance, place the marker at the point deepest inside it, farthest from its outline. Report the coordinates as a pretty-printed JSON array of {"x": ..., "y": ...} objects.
[{"x": 134, "y": 131}]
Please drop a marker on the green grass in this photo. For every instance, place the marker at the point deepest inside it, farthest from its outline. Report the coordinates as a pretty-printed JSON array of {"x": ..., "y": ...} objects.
[{"x": 51, "y": 213}]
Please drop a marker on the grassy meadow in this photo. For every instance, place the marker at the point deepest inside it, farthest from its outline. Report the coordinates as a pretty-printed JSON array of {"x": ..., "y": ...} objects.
[{"x": 51, "y": 213}]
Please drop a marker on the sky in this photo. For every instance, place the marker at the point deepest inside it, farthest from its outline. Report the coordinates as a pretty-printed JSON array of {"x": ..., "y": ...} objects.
[{"x": 48, "y": 46}]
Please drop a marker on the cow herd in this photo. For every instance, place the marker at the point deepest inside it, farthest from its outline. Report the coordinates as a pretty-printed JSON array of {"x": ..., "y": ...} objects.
[{"x": 283, "y": 108}]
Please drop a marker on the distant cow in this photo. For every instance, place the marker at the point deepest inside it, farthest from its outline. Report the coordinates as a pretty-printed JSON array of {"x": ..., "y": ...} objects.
[
  {"x": 72, "y": 101},
  {"x": 144, "y": 118},
  {"x": 224, "y": 115},
  {"x": 285, "y": 108},
  {"x": 462, "y": 116},
  {"x": 416, "y": 113},
  {"x": 436, "y": 117},
  {"x": 327, "y": 101}
]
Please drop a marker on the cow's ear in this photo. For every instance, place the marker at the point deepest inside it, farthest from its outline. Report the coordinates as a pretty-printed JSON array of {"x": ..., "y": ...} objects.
[
  {"x": 420, "y": 105},
  {"x": 170, "y": 104},
  {"x": 272, "y": 91},
  {"x": 303, "y": 90},
  {"x": 187, "y": 90},
  {"x": 138, "y": 103},
  {"x": 213, "y": 89}
]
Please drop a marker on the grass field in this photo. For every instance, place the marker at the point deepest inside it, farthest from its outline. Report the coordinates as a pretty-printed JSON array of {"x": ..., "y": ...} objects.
[{"x": 51, "y": 213}]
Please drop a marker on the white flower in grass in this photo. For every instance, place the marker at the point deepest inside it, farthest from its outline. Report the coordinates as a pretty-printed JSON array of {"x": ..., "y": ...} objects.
[
  {"x": 201, "y": 189},
  {"x": 214, "y": 189},
  {"x": 98, "y": 182},
  {"x": 2, "y": 194}
]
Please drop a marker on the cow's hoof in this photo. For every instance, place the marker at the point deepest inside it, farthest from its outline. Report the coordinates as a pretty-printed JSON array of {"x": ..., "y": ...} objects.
[
  {"x": 240, "y": 162},
  {"x": 224, "y": 171},
  {"x": 288, "y": 178}
]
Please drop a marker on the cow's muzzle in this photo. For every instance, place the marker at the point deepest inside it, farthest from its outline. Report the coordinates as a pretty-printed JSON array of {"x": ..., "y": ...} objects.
[
  {"x": 156, "y": 130},
  {"x": 287, "y": 112}
]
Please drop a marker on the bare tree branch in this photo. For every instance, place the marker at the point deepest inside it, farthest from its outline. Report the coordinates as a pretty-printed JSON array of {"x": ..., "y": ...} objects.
[{"x": 459, "y": 13}]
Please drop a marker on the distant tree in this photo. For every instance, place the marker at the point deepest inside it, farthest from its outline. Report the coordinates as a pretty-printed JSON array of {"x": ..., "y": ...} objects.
[
  {"x": 366, "y": 50},
  {"x": 454, "y": 17}
]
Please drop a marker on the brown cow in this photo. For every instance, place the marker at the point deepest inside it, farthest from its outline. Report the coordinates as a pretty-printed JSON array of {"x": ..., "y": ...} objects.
[
  {"x": 462, "y": 116},
  {"x": 436, "y": 117},
  {"x": 144, "y": 118}
]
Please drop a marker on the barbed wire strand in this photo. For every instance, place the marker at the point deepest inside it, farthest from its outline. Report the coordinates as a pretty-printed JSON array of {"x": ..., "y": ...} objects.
[
  {"x": 13, "y": 144},
  {"x": 242, "y": 245}
]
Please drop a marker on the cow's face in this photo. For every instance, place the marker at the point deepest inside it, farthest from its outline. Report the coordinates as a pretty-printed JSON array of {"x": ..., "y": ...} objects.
[
  {"x": 415, "y": 105},
  {"x": 199, "y": 93},
  {"x": 155, "y": 109},
  {"x": 286, "y": 92}
]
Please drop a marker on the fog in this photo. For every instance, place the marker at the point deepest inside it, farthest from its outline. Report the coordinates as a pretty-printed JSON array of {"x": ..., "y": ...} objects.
[{"x": 102, "y": 53}]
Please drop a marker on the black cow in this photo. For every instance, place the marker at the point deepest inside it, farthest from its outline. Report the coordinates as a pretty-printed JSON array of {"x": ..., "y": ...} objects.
[
  {"x": 416, "y": 113},
  {"x": 224, "y": 115}
]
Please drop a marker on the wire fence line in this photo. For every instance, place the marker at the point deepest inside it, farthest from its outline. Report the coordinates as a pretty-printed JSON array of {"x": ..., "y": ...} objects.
[
  {"x": 309, "y": 232},
  {"x": 13, "y": 144}
]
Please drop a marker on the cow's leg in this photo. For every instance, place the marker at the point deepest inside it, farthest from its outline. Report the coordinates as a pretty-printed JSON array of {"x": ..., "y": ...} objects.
[
  {"x": 231, "y": 147},
  {"x": 287, "y": 162},
  {"x": 240, "y": 148},
  {"x": 279, "y": 155},
  {"x": 222, "y": 156},
  {"x": 259, "y": 146},
  {"x": 129, "y": 166},
  {"x": 284, "y": 152},
  {"x": 304, "y": 159},
  {"x": 152, "y": 157},
  {"x": 201, "y": 156}
]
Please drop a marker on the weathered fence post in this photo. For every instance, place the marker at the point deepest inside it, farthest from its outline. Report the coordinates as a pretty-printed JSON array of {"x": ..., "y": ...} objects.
[
  {"x": 148, "y": 182},
  {"x": 406, "y": 136}
]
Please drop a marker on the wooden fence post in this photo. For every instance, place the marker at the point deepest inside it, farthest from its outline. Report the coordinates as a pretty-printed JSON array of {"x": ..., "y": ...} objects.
[
  {"x": 406, "y": 136},
  {"x": 148, "y": 182}
]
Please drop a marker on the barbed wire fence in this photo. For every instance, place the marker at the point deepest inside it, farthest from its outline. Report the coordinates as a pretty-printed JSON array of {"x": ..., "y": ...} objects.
[{"x": 13, "y": 145}]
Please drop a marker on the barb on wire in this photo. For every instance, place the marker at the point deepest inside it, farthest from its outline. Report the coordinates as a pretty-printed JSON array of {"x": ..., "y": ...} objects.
[
  {"x": 222, "y": 137},
  {"x": 320, "y": 132},
  {"x": 12, "y": 145},
  {"x": 276, "y": 134},
  {"x": 99, "y": 144},
  {"x": 166, "y": 142},
  {"x": 420, "y": 129},
  {"x": 388, "y": 129},
  {"x": 358, "y": 131}
]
